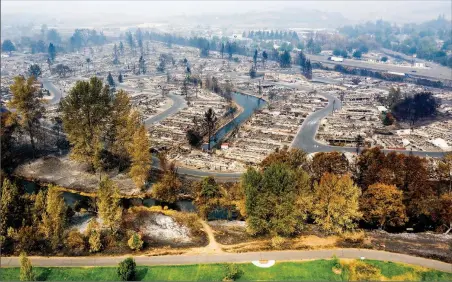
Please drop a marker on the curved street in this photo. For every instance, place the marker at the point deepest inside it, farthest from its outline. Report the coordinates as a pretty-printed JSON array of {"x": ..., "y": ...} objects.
[
  {"x": 304, "y": 139},
  {"x": 231, "y": 258}
]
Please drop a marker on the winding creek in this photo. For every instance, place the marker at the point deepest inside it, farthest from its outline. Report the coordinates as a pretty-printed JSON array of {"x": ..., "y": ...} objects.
[{"x": 249, "y": 104}]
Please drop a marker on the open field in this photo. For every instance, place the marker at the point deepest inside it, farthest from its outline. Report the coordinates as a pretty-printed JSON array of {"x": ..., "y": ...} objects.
[{"x": 317, "y": 270}]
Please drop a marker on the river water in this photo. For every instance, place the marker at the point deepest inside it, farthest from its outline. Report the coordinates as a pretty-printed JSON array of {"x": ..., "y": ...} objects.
[{"x": 249, "y": 104}]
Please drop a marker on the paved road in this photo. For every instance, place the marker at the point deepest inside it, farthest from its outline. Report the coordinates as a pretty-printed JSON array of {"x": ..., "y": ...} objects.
[
  {"x": 57, "y": 95},
  {"x": 178, "y": 104},
  {"x": 231, "y": 258},
  {"x": 435, "y": 72},
  {"x": 305, "y": 138}
]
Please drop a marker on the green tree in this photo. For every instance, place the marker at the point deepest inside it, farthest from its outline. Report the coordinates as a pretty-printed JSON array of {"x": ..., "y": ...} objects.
[
  {"x": 28, "y": 103},
  {"x": 34, "y": 70},
  {"x": 110, "y": 80},
  {"x": 264, "y": 57},
  {"x": 115, "y": 55},
  {"x": 255, "y": 59},
  {"x": 208, "y": 194},
  {"x": 285, "y": 60},
  {"x": 335, "y": 207},
  {"x": 135, "y": 242},
  {"x": 271, "y": 200},
  {"x": 210, "y": 122},
  {"x": 126, "y": 269},
  {"x": 394, "y": 97},
  {"x": 382, "y": 205},
  {"x": 232, "y": 272},
  {"x": 121, "y": 48},
  {"x": 52, "y": 52},
  {"x": 54, "y": 217},
  {"x": 26, "y": 270},
  {"x": 120, "y": 78},
  {"x": 108, "y": 203},
  {"x": 357, "y": 54},
  {"x": 85, "y": 113},
  {"x": 140, "y": 155},
  {"x": 8, "y": 46},
  {"x": 194, "y": 137}
]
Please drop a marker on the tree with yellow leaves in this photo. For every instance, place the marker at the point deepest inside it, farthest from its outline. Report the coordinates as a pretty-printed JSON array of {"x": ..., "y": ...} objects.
[
  {"x": 140, "y": 156},
  {"x": 54, "y": 217},
  {"x": 335, "y": 207},
  {"x": 124, "y": 123},
  {"x": 108, "y": 204},
  {"x": 382, "y": 205}
]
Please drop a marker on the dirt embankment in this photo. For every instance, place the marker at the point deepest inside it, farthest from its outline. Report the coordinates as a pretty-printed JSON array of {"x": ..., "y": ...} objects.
[{"x": 64, "y": 172}]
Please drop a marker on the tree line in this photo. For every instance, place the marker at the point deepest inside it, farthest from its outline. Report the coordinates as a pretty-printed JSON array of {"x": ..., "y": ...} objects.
[
  {"x": 265, "y": 34},
  {"x": 409, "y": 39},
  {"x": 288, "y": 191}
]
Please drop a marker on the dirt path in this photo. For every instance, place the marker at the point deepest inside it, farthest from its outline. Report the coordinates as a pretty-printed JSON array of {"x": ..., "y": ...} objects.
[{"x": 213, "y": 247}]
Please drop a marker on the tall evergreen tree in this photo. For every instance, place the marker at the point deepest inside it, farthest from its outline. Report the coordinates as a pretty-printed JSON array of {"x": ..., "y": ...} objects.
[
  {"x": 110, "y": 80},
  {"x": 52, "y": 52},
  {"x": 210, "y": 121},
  {"x": 121, "y": 48}
]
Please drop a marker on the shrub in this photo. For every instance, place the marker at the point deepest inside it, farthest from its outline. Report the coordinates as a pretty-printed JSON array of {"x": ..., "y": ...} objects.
[
  {"x": 336, "y": 263},
  {"x": 232, "y": 272},
  {"x": 126, "y": 269},
  {"x": 95, "y": 245},
  {"x": 75, "y": 242},
  {"x": 353, "y": 237},
  {"x": 135, "y": 242},
  {"x": 278, "y": 242},
  {"x": 360, "y": 271}
]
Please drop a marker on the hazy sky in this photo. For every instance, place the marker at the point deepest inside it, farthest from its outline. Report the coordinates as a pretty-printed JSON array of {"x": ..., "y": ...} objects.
[{"x": 353, "y": 10}]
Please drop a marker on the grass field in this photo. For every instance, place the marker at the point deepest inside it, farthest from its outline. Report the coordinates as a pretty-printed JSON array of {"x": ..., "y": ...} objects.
[{"x": 310, "y": 270}]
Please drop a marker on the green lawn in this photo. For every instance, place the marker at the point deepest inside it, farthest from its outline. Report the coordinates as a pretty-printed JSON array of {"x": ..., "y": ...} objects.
[{"x": 310, "y": 270}]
